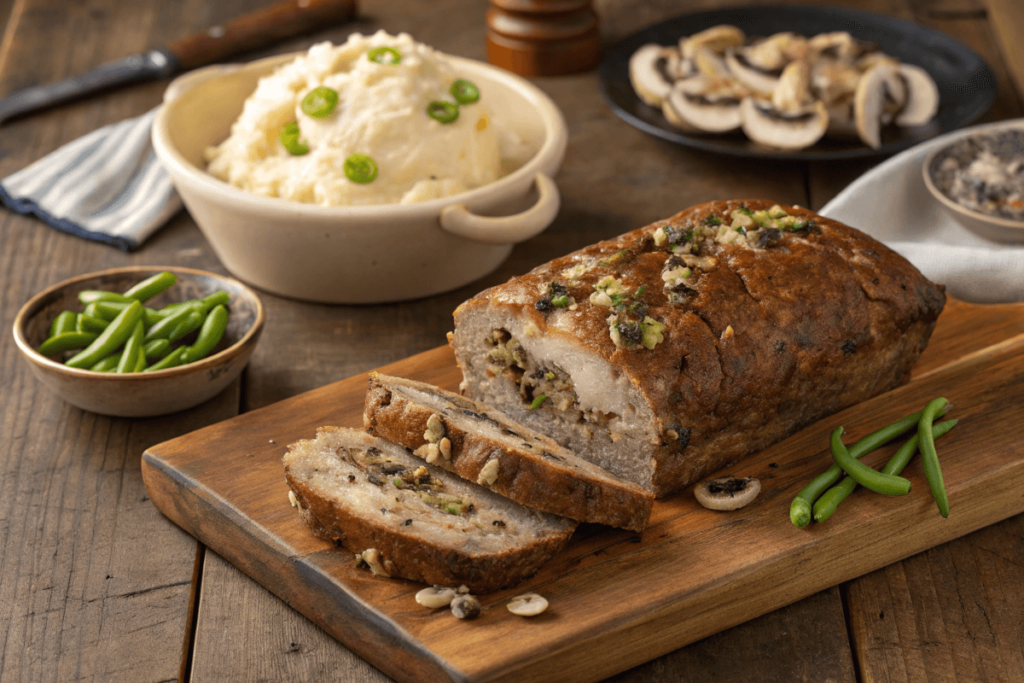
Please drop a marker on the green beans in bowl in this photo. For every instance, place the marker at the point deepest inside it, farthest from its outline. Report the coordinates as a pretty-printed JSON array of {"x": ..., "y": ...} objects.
[{"x": 90, "y": 362}]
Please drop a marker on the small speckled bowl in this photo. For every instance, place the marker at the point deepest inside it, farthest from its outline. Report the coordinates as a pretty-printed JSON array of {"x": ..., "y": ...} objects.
[
  {"x": 150, "y": 393},
  {"x": 990, "y": 227}
]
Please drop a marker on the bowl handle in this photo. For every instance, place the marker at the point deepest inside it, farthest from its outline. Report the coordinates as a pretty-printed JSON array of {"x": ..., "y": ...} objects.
[{"x": 458, "y": 220}]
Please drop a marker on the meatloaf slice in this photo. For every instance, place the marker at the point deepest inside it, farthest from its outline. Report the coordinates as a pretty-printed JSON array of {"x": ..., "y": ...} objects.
[
  {"x": 416, "y": 521},
  {"x": 673, "y": 349},
  {"x": 483, "y": 445}
]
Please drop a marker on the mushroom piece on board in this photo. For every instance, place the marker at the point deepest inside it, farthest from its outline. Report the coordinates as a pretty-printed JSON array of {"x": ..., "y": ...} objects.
[
  {"x": 716, "y": 39},
  {"x": 922, "y": 97}
]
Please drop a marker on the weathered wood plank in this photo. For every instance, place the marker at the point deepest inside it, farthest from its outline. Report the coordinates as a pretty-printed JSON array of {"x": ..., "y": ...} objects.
[{"x": 94, "y": 583}]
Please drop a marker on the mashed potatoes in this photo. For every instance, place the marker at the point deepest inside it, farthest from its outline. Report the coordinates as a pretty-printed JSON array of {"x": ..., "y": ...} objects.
[{"x": 381, "y": 113}]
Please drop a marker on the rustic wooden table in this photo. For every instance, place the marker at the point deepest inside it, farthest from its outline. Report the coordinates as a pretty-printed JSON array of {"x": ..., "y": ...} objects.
[{"x": 95, "y": 584}]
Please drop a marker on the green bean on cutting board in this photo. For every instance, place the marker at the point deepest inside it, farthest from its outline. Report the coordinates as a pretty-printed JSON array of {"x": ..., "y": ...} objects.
[
  {"x": 830, "y": 500},
  {"x": 801, "y": 507},
  {"x": 150, "y": 287},
  {"x": 929, "y": 458},
  {"x": 65, "y": 322},
  {"x": 869, "y": 478}
]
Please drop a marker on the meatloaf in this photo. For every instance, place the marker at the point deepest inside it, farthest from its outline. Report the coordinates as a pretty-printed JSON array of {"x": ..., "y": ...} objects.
[{"x": 669, "y": 351}]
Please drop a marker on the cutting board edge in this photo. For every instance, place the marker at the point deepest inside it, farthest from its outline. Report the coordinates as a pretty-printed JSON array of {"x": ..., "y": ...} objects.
[{"x": 164, "y": 485}]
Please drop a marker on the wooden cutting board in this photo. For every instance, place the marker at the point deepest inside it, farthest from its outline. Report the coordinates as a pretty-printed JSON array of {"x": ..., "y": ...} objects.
[{"x": 617, "y": 599}]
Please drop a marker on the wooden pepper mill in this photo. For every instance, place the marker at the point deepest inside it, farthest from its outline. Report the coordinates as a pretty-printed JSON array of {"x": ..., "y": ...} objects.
[{"x": 542, "y": 37}]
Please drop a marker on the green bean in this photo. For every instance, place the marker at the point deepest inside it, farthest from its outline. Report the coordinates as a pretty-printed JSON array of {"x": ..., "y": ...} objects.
[
  {"x": 190, "y": 324},
  {"x": 65, "y": 322},
  {"x": 117, "y": 332},
  {"x": 150, "y": 287},
  {"x": 218, "y": 298},
  {"x": 209, "y": 336},
  {"x": 157, "y": 349},
  {"x": 90, "y": 310},
  {"x": 89, "y": 324},
  {"x": 163, "y": 329},
  {"x": 871, "y": 479},
  {"x": 108, "y": 310},
  {"x": 108, "y": 364},
  {"x": 171, "y": 360},
  {"x": 830, "y": 500},
  {"x": 800, "y": 508},
  {"x": 66, "y": 342},
  {"x": 140, "y": 360},
  {"x": 132, "y": 349},
  {"x": 90, "y": 295},
  {"x": 929, "y": 458}
]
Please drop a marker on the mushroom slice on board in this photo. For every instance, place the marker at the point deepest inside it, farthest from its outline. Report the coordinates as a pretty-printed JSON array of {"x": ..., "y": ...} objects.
[
  {"x": 841, "y": 121},
  {"x": 758, "y": 80},
  {"x": 869, "y": 103},
  {"x": 840, "y": 45},
  {"x": 716, "y": 39},
  {"x": 770, "y": 127},
  {"x": 775, "y": 51},
  {"x": 727, "y": 493},
  {"x": 833, "y": 80},
  {"x": 707, "y": 104},
  {"x": 922, "y": 97},
  {"x": 649, "y": 73}
]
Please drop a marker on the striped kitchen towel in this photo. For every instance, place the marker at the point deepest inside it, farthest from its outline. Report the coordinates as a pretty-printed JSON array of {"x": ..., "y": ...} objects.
[{"x": 107, "y": 186}]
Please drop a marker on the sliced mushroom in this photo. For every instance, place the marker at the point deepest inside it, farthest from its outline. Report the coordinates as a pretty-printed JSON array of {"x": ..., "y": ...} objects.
[
  {"x": 649, "y": 73},
  {"x": 922, "y": 97},
  {"x": 833, "y": 80},
  {"x": 870, "y": 102},
  {"x": 727, "y": 493},
  {"x": 840, "y": 45},
  {"x": 794, "y": 90},
  {"x": 716, "y": 39},
  {"x": 775, "y": 51},
  {"x": 710, "y": 64},
  {"x": 527, "y": 605},
  {"x": 465, "y": 607},
  {"x": 675, "y": 119},
  {"x": 768, "y": 126},
  {"x": 710, "y": 105},
  {"x": 758, "y": 80}
]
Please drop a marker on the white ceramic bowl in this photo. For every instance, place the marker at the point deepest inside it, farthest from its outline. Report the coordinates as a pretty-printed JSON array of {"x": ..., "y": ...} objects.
[
  {"x": 142, "y": 394},
  {"x": 360, "y": 254},
  {"x": 990, "y": 227}
]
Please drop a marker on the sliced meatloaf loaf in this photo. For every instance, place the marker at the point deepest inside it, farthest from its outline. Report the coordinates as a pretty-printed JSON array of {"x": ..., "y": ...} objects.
[{"x": 665, "y": 353}]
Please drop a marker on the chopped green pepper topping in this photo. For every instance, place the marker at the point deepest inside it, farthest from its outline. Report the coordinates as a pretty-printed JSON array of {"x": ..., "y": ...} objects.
[
  {"x": 360, "y": 168},
  {"x": 538, "y": 401},
  {"x": 560, "y": 301},
  {"x": 640, "y": 291},
  {"x": 465, "y": 92},
  {"x": 320, "y": 102},
  {"x": 291, "y": 142},
  {"x": 744, "y": 210},
  {"x": 712, "y": 220},
  {"x": 384, "y": 55},
  {"x": 442, "y": 111},
  {"x": 549, "y": 375}
]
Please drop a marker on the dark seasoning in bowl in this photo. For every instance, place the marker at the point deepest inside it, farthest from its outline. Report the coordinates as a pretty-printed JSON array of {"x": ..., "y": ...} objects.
[{"x": 984, "y": 173}]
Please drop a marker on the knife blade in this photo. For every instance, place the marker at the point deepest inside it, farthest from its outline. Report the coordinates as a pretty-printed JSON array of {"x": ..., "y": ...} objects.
[{"x": 242, "y": 34}]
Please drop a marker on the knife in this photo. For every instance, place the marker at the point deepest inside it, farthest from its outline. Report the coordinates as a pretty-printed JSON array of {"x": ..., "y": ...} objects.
[{"x": 242, "y": 34}]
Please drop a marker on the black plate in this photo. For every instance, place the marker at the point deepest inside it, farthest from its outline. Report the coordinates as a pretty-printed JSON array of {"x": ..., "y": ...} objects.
[{"x": 966, "y": 84}]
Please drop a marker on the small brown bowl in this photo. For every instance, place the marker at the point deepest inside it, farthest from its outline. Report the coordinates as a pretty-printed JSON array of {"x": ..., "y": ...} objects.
[{"x": 150, "y": 393}]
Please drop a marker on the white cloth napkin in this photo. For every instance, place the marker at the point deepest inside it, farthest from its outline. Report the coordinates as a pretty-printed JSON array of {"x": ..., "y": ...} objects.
[
  {"x": 891, "y": 203},
  {"x": 106, "y": 186}
]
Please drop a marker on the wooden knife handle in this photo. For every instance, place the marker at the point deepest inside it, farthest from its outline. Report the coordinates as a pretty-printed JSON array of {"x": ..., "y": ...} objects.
[{"x": 258, "y": 29}]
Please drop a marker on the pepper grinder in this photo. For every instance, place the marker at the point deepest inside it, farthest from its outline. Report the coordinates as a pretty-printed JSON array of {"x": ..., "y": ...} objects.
[{"x": 542, "y": 37}]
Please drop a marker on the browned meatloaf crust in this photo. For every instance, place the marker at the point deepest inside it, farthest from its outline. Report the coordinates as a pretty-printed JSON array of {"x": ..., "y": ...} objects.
[{"x": 760, "y": 341}]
